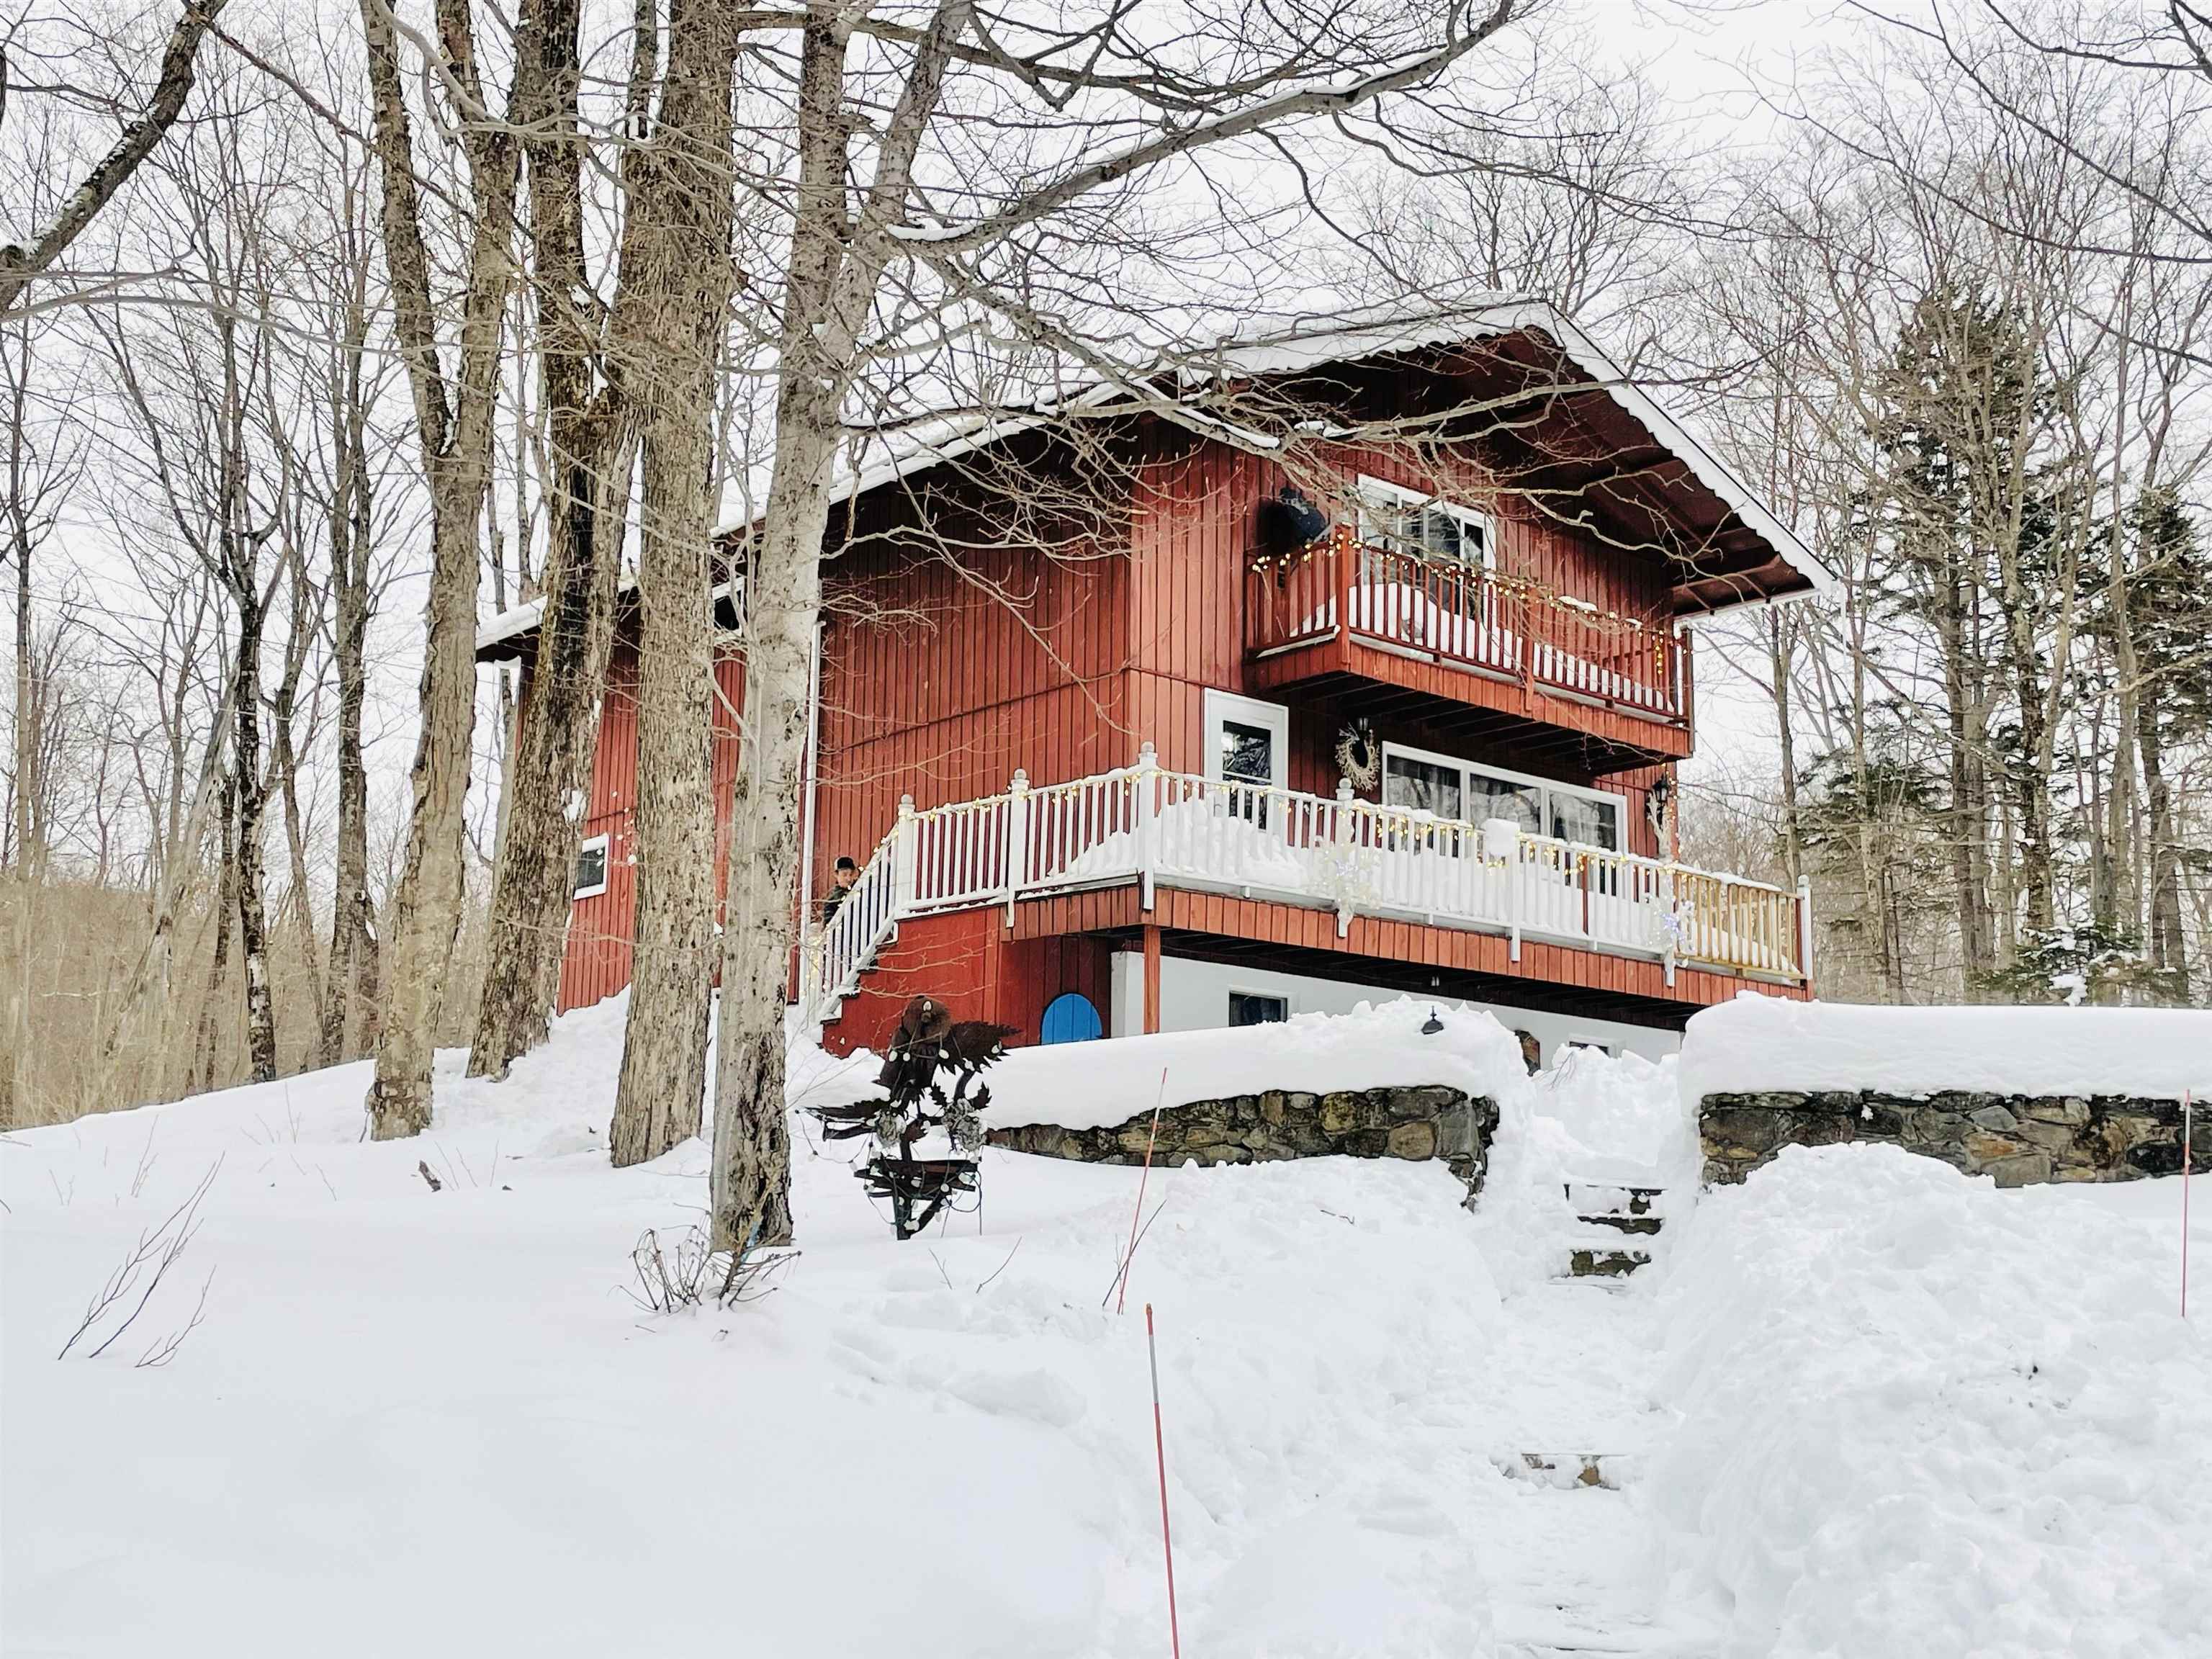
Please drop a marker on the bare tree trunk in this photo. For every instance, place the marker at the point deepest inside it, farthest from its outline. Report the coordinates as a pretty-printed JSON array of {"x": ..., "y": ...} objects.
[
  {"x": 829, "y": 286},
  {"x": 454, "y": 423},
  {"x": 19, "y": 264},
  {"x": 2169, "y": 955},
  {"x": 28, "y": 852},
  {"x": 1782, "y": 657},
  {"x": 590, "y": 453},
  {"x": 671, "y": 344},
  {"x": 249, "y": 801},
  {"x": 351, "y": 1003},
  {"x": 304, "y": 625},
  {"x": 1968, "y": 815},
  {"x": 226, "y": 906}
]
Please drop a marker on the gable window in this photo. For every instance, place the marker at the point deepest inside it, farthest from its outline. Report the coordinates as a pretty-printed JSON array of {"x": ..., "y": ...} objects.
[
  {"x": 1408, "y": 522},
  {"x": 592, "y": 867},
  {"x": 1452, "y": 788}
]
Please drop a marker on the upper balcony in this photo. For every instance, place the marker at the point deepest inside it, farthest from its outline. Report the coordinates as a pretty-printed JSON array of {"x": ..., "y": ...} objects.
[{"x": 1344, "y": 610}]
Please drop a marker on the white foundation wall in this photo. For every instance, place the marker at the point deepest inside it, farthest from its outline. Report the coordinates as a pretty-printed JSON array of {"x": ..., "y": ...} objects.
[{"x": 1194, "y": 997}]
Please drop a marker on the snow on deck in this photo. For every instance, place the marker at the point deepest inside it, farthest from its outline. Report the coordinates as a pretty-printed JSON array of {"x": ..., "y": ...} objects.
[{"x": 1758, "y": 1042}]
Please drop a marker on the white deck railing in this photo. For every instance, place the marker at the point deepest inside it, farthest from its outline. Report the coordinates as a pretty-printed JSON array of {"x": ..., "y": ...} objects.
[{"x": 1155, "y": 827}]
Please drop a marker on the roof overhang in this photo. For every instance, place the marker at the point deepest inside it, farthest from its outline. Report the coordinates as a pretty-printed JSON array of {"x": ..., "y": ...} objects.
[{"x": 1790, "y": 570}]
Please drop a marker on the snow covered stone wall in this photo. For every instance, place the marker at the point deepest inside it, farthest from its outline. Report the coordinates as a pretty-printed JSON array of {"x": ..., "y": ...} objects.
[
  {"x": 2018, "y": 1140},
  {"x": 1415, "y": 1122},
  {"x": 1377, "y": 1082},
  {"x": 2022, "y": 1095}
]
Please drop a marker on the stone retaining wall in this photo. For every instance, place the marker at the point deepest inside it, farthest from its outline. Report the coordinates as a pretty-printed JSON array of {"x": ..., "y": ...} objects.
[
  {"x": 2017, "y": 1139},
  {"x": 1416, "y": 1123}
]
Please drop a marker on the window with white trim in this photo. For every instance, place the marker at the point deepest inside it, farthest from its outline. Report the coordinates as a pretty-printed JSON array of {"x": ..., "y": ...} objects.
[
  {"x": 591, "y": 867},
  {"x": 1453, "y": 789},
  {"x": 1393, "y": 516}
]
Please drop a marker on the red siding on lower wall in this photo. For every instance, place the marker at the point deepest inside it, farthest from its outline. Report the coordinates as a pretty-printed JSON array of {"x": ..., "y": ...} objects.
[{"x": 968, "y": 960}]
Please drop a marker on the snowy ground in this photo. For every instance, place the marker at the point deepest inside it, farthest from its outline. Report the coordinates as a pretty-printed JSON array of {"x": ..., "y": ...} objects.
[{"x": 1860, "y": 1407}]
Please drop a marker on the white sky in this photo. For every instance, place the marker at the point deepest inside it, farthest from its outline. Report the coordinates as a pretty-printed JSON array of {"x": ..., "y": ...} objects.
[{"x": 1704, "y": 55}]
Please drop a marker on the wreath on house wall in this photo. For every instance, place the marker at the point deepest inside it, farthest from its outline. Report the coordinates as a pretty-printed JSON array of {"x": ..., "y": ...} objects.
[{"x": 1359, "y": 757}]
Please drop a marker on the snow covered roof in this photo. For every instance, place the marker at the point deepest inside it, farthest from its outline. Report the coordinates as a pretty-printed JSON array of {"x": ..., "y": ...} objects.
[
  {"x": 1377, "y": 334},
  {"x": 1293, "y": 345},
  {"x": 1300, "y": 343}
]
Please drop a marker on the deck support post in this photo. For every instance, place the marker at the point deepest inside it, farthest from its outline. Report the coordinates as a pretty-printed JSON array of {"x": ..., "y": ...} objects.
[
  {"x": 1513, "y": 885},
  {"x": 1151, "y": 979},
  {"x": 1804, "y": 932},
  {"x": 1345, "y": 852}
]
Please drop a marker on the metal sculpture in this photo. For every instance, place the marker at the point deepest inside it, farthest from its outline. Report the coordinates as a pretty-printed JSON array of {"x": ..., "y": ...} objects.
[{"x": 928, "y": 1043}]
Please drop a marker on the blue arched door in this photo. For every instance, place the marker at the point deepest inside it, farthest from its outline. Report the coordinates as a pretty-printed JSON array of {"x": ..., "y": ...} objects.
[{"x": 1070, "y": 1017}]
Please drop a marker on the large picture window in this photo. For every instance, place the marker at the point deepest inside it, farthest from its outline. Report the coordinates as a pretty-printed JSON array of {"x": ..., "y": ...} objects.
[{"x": 1452, "y": 788}]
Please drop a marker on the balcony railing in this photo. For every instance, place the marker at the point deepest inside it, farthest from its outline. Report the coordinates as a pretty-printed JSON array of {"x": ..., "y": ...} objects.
[
  {"x": 1508, "y": 628},
  {"x": 1152, "y": 828}
]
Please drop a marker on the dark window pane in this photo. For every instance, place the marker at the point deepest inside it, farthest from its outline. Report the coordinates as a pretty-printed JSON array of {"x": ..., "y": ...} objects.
[
  {"x": 592, "y": 866},
  {"x": 1421, "y": 786},
  {"x": 1247, "y": 753},
  {"x": 1246, "y": 1009}
]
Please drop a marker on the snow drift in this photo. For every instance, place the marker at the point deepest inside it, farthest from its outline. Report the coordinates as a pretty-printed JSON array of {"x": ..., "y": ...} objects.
[
  {"x": 1760, "y": 1042},
  {"x": 1921, "y": 1415},
  {"x": 1872, "y": 1407}
]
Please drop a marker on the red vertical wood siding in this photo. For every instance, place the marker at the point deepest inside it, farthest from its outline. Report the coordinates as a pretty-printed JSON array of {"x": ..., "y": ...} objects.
[
  {"x": 939, "y": 683},
  {"x": 597, "y": 960},
  {"x": 967, "y": 960},
  {"x": 940, "y": 680}
]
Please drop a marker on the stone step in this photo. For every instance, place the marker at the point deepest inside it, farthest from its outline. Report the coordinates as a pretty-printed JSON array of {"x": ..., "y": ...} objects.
[
  {"x": 1609, "y": 1198},
  {"x": 1593, "y": 1263},
  {"x": 1624, "y": 1224},
  {"x": 1566, "y": 1470}
]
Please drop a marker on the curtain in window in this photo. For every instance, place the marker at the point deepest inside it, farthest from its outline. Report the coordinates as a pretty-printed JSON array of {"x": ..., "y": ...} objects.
[{"x": 1495, "y": 797}]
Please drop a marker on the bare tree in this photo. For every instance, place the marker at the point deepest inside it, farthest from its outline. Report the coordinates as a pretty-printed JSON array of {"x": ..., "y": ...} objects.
[
  {"x": 454, "y": 417},
  {"x": 23, "y": 263}
]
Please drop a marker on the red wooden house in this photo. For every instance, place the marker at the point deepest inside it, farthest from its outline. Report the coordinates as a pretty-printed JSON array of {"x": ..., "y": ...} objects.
[{"x": 1123, "y": 739}]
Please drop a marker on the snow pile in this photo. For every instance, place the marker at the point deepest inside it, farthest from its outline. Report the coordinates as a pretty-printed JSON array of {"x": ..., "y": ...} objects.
[
  {"x": 437, "y": 1412},
  {"x": 1758, "y": 1042},
  {"x": 1090, "y": 1085},
  {"x": 1923, "y": 1415}
]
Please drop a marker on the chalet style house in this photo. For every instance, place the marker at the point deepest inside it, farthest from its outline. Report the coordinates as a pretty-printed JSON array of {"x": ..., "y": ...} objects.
[{"x": 1151, "y": 721}]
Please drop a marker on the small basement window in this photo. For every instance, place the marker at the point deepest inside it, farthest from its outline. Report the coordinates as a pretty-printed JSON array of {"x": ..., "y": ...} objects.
[
  {"x": 1250, "y": 1008},
  {"x": 592, "y": 867}
]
